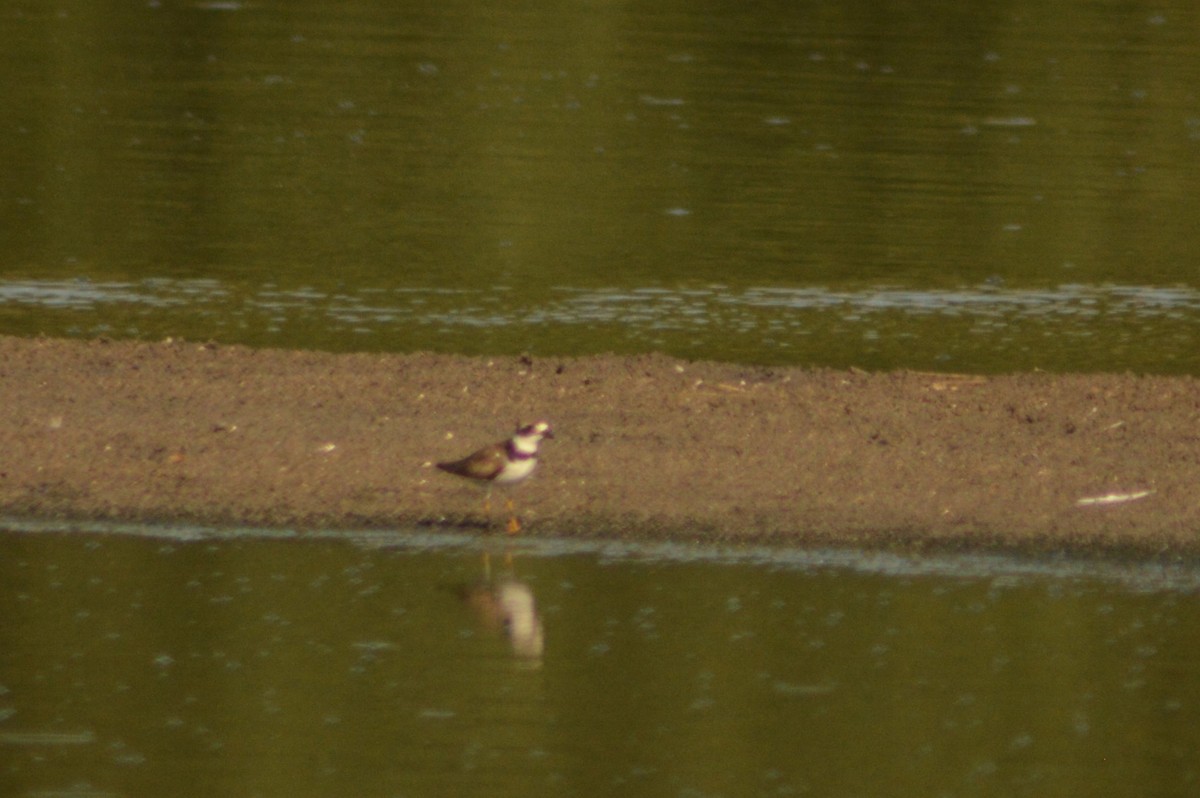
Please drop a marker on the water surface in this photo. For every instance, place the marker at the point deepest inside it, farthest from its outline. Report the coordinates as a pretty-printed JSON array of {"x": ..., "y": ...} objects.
[
  {"x": 194, "y": 662},
  {"x": 814, "y": 183}
]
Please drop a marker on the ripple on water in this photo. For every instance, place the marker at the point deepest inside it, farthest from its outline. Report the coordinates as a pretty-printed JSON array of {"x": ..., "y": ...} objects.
[
  {"x": 1003, "y": 571},
  {"x": 966, "y": 327}
]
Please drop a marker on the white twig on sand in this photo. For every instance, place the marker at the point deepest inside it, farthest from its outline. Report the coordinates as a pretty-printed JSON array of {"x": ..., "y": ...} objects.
[{"x": 1112, "y": 498}]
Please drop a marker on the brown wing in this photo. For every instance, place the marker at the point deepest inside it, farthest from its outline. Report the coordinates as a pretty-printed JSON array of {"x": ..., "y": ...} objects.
[{"x": 484, "y": 464}]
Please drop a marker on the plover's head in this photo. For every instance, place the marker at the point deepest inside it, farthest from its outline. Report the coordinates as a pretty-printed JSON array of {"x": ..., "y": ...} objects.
[{"x": 535, "y": 432}]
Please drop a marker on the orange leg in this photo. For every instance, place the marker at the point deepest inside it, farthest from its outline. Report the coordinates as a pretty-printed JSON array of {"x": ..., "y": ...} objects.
[
  {"x": 514, "y": 526},
  {"x": 487, "y": 506}
]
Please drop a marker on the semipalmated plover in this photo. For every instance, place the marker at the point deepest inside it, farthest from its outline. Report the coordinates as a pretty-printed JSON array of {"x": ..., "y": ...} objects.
[{"x": 504, "y": 463}]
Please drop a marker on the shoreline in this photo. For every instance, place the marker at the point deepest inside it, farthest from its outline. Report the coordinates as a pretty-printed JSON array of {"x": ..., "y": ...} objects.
[{"x": 647, "y": 448}]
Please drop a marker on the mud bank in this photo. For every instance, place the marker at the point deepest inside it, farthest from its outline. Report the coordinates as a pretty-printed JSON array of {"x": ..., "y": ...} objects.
[{"x": 647, "y": 447}]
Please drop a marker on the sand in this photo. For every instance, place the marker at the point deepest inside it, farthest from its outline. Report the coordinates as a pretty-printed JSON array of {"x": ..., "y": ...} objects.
[{"x": 646, "y": 448}]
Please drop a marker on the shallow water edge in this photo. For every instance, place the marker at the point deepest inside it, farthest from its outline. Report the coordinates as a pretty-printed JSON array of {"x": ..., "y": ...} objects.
[{"x": 1131, "y": 573}]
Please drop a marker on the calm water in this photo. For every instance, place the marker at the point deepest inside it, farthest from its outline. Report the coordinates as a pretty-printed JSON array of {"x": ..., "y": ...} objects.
[
  {"x": 176, "y": 662},
  {"x": 987, "y": 188},
  {"x": 993, "y": 187}
]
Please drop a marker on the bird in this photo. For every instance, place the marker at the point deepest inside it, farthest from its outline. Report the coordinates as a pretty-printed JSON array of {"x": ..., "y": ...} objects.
[{"x": 505, "y": 463}]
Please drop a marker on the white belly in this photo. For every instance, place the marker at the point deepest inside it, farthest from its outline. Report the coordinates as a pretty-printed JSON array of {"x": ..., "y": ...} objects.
[{"x": 515, "y": 471}]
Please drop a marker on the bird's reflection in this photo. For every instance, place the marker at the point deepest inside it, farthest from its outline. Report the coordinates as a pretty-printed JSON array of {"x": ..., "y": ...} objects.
[{"x": 506, "y": 605}]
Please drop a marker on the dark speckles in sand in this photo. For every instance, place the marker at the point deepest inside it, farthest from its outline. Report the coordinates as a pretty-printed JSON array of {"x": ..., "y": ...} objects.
[{"x": 647, "y": 446}]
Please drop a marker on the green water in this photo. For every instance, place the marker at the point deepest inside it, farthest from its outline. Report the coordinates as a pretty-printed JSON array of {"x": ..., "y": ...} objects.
[
  {"x": 995, "y": 187},
  {"x": 990, "y": 188},
  {"x": 237, "y": 664}
]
